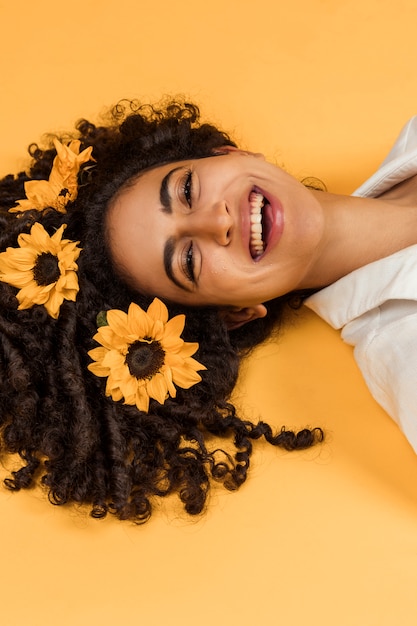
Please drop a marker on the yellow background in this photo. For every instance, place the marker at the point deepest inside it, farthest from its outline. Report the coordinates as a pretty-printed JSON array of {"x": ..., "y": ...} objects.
[{"x": 327, "y": 536}]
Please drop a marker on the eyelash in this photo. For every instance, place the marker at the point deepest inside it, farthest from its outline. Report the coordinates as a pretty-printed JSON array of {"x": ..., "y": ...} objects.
[
  {"x": 187, "y": 187},
  {"x": 188, "y": 263}
]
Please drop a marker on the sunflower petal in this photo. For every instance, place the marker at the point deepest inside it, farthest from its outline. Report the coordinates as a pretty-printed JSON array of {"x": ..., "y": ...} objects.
[
  {"x": 129, "y": 387},
  {"x": 108, "y": 338},
  {"x": 98, "y": 370},
  {"x": 71, "y": 281},
  {"x": 53, "y": 304},
  {"x": 23, "y": 279},
  {"x": 115, "y": 393},
  {"x": 175, "y": 326},
  {"x": 188, "y": 349},
  {"x": 139, "y": 323},
  {"x": 117, "y": 321},
  {"x": 142, "y": 399},
  {"x": 157, "y": 388},
  {"x": 113, "y": 359},
  {"x": 97, "y": 354},
  {"x": 158, "y": 311},
  {"x": 185, "y": 378},
  {"x": 167, "y": 372}
]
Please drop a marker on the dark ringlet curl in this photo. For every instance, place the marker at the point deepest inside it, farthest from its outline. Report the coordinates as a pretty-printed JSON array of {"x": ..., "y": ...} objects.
[{"x": 84, "y": 447}]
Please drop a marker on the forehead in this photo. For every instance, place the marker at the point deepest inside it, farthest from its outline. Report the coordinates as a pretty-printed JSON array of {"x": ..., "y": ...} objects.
[{"x": 137, "y": 228}]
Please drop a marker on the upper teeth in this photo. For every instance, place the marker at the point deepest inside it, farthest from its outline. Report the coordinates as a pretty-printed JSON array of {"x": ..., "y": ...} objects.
[{"x": 256, "y": 202}]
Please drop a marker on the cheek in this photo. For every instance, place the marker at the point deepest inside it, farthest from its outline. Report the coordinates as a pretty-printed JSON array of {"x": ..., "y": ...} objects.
[{"x": 219, "y": 266}]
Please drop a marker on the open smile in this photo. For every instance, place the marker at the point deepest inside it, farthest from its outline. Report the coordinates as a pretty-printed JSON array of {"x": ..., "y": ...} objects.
[{"x": 262, "y": 223}]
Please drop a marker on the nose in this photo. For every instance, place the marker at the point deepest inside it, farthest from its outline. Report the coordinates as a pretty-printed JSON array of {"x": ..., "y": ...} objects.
[{"x": 212, "y": 221}]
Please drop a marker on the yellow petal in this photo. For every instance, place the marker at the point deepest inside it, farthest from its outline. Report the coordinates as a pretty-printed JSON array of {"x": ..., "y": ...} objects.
[
  {"x": 40, "y": 194},
  {"x": 85, "y": 156},
  {"x": 39, "y": 238},
  {"x": 23, "y": 205},
  {"x": 188, "y": 349},
  {"x": 18, "y": 258},
  {"x": 192, "y": 363},
  {"x": 171, "y": 343},
  {"x": 57, "y": 236},
  {"x": 117, "y": 321},
  {"x": 74, "y": 145},
  {"x": 185, "y": 378},
  {"x": 157, "y": 331},
  {"x": 71, "y": 280},
  {"x": 142, "y": 399},
  {"x": 129, "y": 387},
  {"x": 113, "y": 359},
  {"x": 70, "y": 294},
  {"x": 167, "y": 372},
  {"x": 98, "y": 370},
  {"x": 175, "y": 326},
  {"x": 115, "y": 393},
  {"x": 53, "y": 304},
  {"x": 32, "y": 293},
  {"x": 97, "y": 354},
  {"x": 158, "y": 311},
  {"x": 157, "y": 388},
  {"x": 108, "y": 338},
  {"x": 18, "y": 280},
  {"x": 139, "y": 323}
]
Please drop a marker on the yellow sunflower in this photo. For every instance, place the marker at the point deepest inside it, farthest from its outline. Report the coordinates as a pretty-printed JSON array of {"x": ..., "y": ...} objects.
[
  {"x": 43, "y": 268},
  {"x": 142, "y": 355},
  {"x": 62, "y": 185}
]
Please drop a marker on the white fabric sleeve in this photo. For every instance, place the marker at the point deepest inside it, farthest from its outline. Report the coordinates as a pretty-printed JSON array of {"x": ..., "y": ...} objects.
[{"x": 387, "y": 357}]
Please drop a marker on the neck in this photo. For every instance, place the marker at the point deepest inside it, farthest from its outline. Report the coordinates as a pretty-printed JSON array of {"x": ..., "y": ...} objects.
[{"x": 359, "y": 231}]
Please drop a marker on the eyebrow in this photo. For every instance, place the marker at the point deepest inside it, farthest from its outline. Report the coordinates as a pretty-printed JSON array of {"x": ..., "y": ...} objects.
[
  {"x": 164, "y": 195},
  {"x": 169, "y": 250}
]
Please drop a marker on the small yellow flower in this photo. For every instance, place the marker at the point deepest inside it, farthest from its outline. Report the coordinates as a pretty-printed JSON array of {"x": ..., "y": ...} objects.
[
  {"x": 43, "y": 268},
  {"x": 142, "y": 355},
  {"x": 62, "y": 186}
]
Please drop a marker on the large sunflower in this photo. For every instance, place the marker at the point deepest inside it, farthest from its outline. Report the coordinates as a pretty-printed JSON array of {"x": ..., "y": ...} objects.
[
  {"x": 43, "y": 268},
  {"x": 62, "y": 186},
  {"x": 142, "y": 355}
]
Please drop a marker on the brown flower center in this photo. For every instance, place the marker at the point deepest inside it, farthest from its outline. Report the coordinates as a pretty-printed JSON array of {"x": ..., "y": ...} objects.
[
  {"x": 46, "y": 270},
  {"x": 144, "y": 360}
]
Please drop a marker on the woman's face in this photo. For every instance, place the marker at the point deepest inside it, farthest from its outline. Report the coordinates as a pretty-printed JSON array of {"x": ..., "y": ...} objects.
[{"x": 223, "y": 230}]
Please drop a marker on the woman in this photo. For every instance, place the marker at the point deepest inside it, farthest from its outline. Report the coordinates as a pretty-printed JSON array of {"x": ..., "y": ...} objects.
[
  {"x": 235, "y": 231},
  {"x": 156, "y": 421},
  {"x": 113, "y": 409}
]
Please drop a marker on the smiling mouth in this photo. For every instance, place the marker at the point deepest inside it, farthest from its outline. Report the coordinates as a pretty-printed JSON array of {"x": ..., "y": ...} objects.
[{"x": 259, "y": 226}]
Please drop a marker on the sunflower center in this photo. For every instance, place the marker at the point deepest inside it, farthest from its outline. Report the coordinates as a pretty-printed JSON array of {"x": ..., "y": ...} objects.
[
  {"x": 144, "y": 360},
  {"x": 46, "y": 270}
]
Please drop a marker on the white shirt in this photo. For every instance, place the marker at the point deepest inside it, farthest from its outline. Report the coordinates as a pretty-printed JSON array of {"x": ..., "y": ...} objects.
[{"x": 376, "y": 305}]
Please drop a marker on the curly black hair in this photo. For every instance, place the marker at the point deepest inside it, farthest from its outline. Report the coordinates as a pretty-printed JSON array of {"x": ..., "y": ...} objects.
[{"x": 81, "y": 445}]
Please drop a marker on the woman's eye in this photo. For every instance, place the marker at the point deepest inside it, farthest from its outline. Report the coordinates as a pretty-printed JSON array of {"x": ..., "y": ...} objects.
[
  {"x": 187, "y": 187},
  {"x": 188, "y": 263}
]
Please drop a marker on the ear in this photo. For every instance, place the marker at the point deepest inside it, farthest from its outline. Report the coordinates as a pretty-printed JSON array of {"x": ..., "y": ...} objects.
[
  {"x": 232, "y": 149},
  {"x": 237, "y": 317}
]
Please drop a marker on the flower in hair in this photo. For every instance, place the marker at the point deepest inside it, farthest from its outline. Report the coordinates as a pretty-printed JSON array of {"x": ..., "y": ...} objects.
[
  {"x": 62, "y": 186},
  {"x": 43, "y": 268},
  {"x": 142, "y": 355}
]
